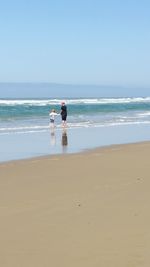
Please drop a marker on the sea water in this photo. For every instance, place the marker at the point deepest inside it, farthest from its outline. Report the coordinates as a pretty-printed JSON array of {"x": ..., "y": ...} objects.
[{"x": 92, "y": 122}]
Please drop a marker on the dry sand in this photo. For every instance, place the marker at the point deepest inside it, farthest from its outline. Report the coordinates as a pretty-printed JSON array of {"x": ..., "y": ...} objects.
[{"x": 81, "y": 210}]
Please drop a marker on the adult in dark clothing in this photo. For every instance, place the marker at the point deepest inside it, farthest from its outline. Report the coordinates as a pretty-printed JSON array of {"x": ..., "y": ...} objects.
[{"x": 63, "y": 113}]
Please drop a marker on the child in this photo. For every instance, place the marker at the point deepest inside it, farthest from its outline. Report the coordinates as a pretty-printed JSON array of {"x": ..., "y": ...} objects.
[{"x": 52, "y": 115}]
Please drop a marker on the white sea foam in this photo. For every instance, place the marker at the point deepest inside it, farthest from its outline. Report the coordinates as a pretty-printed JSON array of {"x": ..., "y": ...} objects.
[
  {"x": 88, "y": 124},
  {"x": 23, "y": 128},
  {"x": 45, "y": 102},
  {"x": 23, "y": 132},
  {"x": 144, "y": 114}
]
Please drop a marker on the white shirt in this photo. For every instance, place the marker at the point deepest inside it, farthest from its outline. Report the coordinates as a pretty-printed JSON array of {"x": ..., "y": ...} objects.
[{"x": 52, "y": 115}]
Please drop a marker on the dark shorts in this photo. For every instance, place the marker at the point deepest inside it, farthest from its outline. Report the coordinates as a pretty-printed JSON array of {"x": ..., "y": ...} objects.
[
  {"x": 64, "y": 117},
  {"x": 51, "y": 120}
]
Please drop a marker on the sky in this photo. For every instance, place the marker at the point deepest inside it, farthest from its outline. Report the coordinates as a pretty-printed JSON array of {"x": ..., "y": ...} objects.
[{"x": 90, "y": 42}]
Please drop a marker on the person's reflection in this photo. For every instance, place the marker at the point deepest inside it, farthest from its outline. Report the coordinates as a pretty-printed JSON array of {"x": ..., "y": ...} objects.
[
  {"x": 53, "y": 137},
  {"x": 64, "y": 140}
]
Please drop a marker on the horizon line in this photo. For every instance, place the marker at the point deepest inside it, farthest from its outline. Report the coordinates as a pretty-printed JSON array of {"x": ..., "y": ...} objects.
[{"x": 77, "y": 84}]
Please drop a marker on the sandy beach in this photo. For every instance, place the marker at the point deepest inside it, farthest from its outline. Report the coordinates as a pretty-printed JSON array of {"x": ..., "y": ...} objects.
[{"x": 79, "y": 210}]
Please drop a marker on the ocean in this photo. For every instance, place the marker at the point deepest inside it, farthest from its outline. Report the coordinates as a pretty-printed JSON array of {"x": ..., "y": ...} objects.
[
  {"x": 22, "y": 120},
  {"x": 32, "y": 115}
]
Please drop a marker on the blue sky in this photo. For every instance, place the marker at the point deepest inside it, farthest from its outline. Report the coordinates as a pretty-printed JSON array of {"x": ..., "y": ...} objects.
[{"x": 76, "y": 42}]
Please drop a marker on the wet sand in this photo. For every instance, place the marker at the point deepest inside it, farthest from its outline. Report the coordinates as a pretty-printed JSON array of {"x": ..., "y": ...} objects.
[{"x": 81, "y": 210}]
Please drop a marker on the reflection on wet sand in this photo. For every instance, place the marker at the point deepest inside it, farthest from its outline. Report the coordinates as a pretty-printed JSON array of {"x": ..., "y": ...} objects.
[
  {"x": 53, "y": 137},
  {"x": 64, "y": 140}
]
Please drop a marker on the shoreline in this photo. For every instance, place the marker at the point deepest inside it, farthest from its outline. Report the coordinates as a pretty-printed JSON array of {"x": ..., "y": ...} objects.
[
  {"x": 16, "y": 147},
  {"x": 85, "y": 151}
]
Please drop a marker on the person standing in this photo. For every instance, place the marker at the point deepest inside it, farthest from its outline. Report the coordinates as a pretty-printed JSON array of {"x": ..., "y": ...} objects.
[
  {"x": 63, "y": 114},
  {"x": 52, "y": 115}
]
